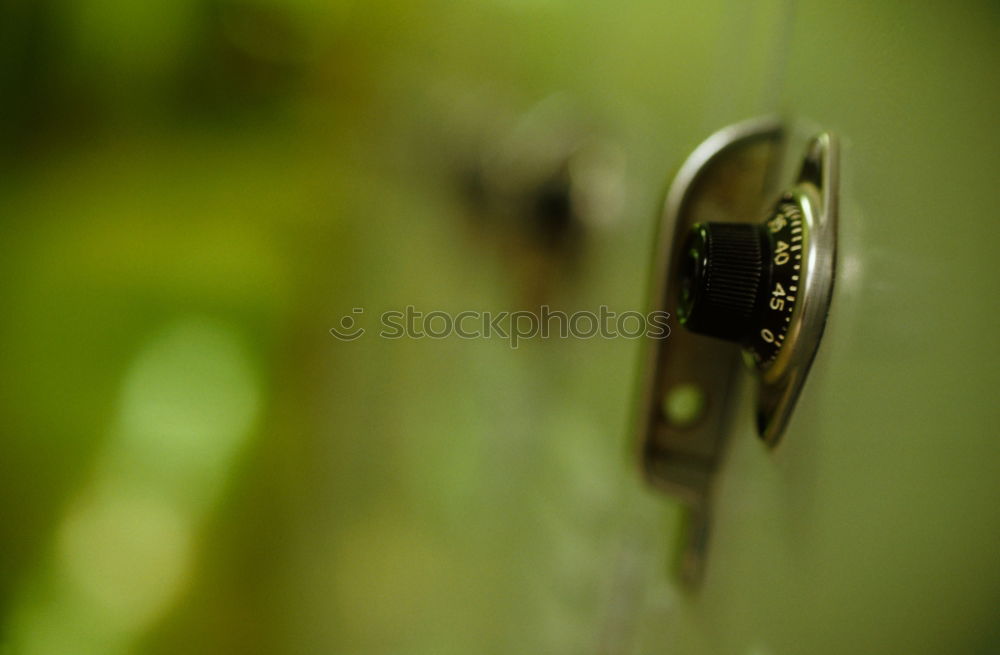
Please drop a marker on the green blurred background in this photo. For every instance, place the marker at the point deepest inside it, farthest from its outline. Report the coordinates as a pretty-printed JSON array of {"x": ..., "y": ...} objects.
[{"x": 194, "y": 191}]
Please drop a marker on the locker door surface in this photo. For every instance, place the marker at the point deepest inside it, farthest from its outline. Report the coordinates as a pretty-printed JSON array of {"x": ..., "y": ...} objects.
[{"x": 872, "y": 528}]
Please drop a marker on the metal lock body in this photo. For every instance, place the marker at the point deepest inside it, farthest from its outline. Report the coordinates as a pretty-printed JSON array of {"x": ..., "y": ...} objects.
[{"x": 747, "y": 264}]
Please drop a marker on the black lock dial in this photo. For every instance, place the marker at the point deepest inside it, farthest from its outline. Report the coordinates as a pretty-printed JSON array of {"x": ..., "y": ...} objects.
[{"x": 740, "y": 281}]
